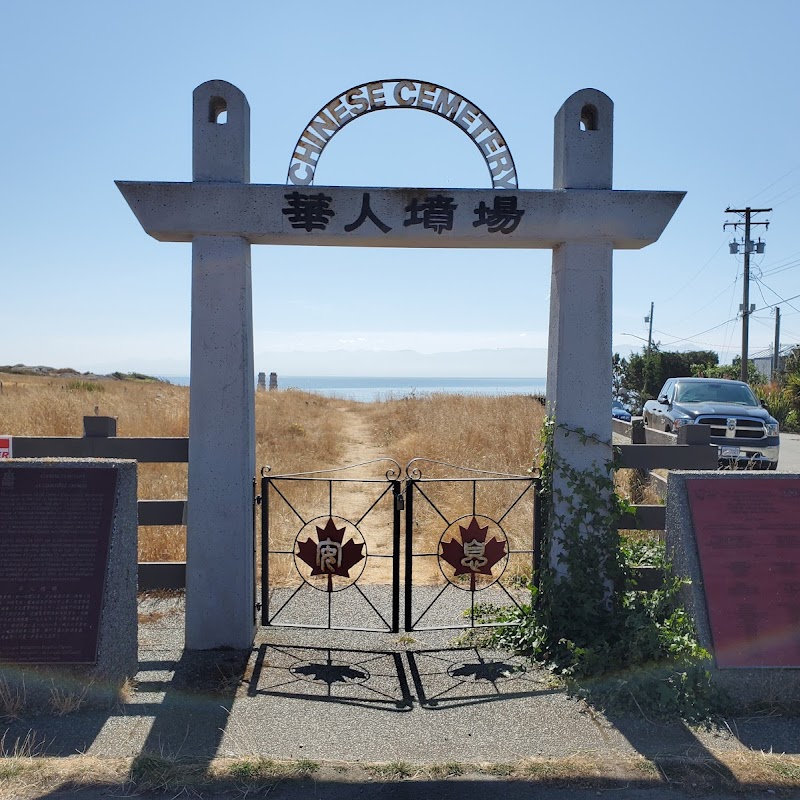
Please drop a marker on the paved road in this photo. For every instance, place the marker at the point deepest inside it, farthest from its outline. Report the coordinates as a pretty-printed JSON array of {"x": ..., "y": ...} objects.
[{"x": 789, "y": 460}]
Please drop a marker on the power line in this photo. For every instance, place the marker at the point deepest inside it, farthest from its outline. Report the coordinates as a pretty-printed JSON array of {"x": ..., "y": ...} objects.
[
  {"x": 732, "y": 319},
  {"x": 772, "y": 305},
  {"x": 782, "y": 268},
  {"x": 767, "y": 188},
  {"x": 782, "y": 202},
  {"x": 729, "y": 332},
  {"x": 695, "y": 335},
  {"x": 784, "y": 260},
  {"x": 697, "y": 273},
  {"x": 760, "y": 283},
  {"x": 710, "y": 302}
]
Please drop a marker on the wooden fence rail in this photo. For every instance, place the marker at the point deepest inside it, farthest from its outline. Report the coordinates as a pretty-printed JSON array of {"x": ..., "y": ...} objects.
[
  {"x": 650, "y": 449},
  {"x": 647, "y": 449},
  {"x": 99, "y": 440}
]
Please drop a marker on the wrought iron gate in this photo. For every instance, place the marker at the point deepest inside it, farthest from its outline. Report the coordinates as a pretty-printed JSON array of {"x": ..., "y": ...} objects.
[
  {"x": 331, "y": 541},
  {"x": 330, "y": 549},
  {"x": 472, "y": 545}
]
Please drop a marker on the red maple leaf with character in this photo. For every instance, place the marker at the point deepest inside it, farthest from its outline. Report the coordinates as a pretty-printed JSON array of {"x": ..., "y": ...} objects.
[
  {"x": 473, "y": 555},
  {"x": 330, "y": 555}
]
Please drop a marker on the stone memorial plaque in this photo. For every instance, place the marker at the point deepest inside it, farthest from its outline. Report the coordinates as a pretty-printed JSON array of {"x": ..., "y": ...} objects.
[
  {"x": 748, "y": 542},
  {"x": 55, "y": 527}
]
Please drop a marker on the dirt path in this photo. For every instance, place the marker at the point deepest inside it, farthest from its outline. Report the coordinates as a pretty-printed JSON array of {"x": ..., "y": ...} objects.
[
  {"x": 355, "y": 498},
  {"x": 357, "y": 431}
]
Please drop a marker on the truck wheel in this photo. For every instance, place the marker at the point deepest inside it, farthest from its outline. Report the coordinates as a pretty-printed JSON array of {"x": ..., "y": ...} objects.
[{"x": 773, "y": 465}]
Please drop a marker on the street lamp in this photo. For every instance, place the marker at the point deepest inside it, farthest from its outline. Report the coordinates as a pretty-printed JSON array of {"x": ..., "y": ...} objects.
[{"x": 636, "y": 337}]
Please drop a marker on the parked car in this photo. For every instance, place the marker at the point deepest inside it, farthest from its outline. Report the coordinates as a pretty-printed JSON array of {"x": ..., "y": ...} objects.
[
  {"x": 618, "y": 411},
  {"x": 745, "y": 433}
]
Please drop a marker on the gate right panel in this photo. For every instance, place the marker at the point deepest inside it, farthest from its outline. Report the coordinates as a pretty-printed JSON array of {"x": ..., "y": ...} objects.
[{"x": 472, "y": 545}]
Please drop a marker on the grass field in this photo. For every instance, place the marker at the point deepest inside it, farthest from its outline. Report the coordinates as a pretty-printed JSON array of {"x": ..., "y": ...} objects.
[{"x": 295, "y": 431}]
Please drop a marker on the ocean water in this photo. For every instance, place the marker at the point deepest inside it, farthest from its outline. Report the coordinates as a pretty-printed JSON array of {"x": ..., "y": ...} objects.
[{"x": 370, "y": 390}]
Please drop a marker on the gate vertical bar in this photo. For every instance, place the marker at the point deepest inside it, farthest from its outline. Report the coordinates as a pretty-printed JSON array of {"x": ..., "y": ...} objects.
[
  {"x": 538, "y": 529},
  {"x": 265, "y": 551},
  {"x": 256, "y": 500},
  {"x": 397, "y": 499},
  {"x": 409, "y": 550}
]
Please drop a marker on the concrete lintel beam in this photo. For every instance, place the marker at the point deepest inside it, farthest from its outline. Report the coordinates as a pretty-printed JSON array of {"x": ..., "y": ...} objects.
[{"x": 177, "y": 212}]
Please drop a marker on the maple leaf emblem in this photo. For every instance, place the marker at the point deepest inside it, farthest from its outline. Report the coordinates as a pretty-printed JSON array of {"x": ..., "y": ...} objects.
[
  {"x": 330, "y": 555},
  {"x": 473, "y": 555}
]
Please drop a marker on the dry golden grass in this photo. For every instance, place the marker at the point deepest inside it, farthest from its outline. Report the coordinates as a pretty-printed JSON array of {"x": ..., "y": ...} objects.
[
  {"x": 25, "y": 774},
  {"x": 491, "y": 433},
  {"x": 298, "y": 432},
  {"x": 35, "y": 406},
  {"x": 295, "y": 431}
]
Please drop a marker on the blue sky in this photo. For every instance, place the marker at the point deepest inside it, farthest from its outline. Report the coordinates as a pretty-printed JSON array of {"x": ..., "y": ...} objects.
[{"x": 705, "y": 101}]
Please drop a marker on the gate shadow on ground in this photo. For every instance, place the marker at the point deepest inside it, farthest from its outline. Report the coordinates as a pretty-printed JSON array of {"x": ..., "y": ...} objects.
[
  {"x": 366, "y": 678},
  {"x": 442, "y": 678},
  {"x": 452, "y": 677}
]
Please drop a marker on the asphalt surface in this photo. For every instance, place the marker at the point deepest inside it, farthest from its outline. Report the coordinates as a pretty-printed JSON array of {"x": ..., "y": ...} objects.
[
  {"x": 358, "y": 698},
  {"x": 789, "y": 458}
]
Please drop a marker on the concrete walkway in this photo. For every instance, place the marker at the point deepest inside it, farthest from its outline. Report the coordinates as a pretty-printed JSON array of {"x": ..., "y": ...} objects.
[{"x": 357, "y": 699}]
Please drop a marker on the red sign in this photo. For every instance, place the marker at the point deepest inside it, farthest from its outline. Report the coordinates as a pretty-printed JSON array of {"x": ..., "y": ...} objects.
[
  {"x": 5, "y": 447},
  {"x": 748, "y": 540}
]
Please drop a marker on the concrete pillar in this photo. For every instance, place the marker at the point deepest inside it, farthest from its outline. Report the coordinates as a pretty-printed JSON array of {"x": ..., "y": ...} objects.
[
  {"x": 579, "y": 346},
  {"x": 220, "y": 546}
]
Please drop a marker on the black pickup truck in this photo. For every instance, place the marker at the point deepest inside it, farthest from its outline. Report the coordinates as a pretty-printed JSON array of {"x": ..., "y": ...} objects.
[{"x": 747, "y": 436}]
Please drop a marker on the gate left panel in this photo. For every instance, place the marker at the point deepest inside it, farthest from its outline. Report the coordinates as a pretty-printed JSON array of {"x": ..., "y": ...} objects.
[{"x": 329, "y": 548}]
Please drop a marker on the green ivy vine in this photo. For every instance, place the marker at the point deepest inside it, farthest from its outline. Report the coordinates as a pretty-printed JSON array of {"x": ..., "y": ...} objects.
[{"x": 586, "y": 621}]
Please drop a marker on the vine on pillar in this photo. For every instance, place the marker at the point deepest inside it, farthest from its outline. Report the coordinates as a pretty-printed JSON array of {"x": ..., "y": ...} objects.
[{"x": 579, "y": 599}]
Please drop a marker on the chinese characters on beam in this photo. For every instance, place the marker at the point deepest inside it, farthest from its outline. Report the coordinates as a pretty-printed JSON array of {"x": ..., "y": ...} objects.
[{"x": 313, "y": 212}]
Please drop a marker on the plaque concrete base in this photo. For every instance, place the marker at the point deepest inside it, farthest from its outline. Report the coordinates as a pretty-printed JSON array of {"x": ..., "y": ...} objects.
[
  {"x": 734, "y": 538},
  {"x": 54, "y": 621}
]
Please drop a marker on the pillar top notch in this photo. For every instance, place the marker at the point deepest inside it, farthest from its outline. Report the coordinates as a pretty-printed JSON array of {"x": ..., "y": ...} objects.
[
  {"x": 584, "y": 142},
  {"x": 220, "y": 133}
]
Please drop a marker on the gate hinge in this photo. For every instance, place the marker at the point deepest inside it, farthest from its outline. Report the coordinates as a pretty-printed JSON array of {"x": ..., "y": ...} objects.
[{"x": 258, "y": 499}]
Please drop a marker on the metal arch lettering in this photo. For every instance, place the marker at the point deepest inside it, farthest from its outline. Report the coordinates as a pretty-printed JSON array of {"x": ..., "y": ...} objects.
[{"x": 402, "y": 93}]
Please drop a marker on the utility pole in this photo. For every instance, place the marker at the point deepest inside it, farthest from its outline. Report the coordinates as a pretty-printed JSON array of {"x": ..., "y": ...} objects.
[
  {"x": 776, "y": 357},
  {"x": 749, "y": 247},
  {"x": 650, "y": 333}
]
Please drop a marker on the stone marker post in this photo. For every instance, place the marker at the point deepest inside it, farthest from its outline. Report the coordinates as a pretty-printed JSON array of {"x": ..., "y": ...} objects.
[
  {"x": 219, "y": 550},
  {"x": 579, "y": 346}
]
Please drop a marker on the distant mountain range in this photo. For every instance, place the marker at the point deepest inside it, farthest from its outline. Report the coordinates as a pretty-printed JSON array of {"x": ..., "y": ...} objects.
[{"x": 500, "y": 363}]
